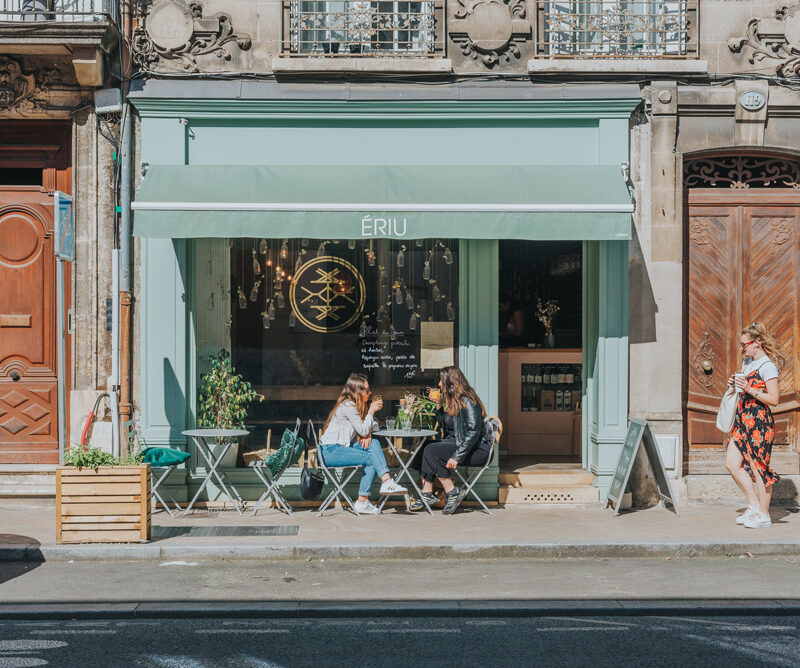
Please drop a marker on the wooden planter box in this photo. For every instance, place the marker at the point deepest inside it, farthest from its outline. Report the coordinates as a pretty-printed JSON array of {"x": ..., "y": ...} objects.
[{"x": 110, "y": 504}]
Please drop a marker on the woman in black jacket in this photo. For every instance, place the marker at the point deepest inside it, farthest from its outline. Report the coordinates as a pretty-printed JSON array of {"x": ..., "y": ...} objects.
[{"x": 460, "y": 414}]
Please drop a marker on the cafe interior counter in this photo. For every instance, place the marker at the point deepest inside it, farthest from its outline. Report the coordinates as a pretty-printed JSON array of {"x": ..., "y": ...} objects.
[{"x": 540, "y": 400}]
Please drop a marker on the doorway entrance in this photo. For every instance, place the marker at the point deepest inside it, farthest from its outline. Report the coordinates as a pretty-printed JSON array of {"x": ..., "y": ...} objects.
[{"x": 743, "y": 245}]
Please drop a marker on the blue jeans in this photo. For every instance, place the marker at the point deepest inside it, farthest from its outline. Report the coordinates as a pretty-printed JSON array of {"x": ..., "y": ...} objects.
[{"x": 371, "y": 459}]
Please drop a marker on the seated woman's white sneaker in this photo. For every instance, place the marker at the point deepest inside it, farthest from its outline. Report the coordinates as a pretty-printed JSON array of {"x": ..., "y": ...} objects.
[
  {"x": 758, "y": 521},
  {"x": 366, "y": 508},
  {"x": 391, "y": 487}
]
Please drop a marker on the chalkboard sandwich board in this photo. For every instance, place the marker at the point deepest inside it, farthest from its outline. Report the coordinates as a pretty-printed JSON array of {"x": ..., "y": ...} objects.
[{"x": 639, "y": 432}]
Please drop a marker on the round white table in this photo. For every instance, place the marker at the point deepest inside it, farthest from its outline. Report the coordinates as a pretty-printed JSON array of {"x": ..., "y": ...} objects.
[{"x": 421, "y": 436}]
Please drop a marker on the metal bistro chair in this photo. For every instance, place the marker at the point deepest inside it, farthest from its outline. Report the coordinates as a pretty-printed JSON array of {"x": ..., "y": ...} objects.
[
  {"x": 167, "y": 459},
  {"x": 264, "y": 472},
  {"x": 336, "y": 475},
  {"x": 493, "y": 428}
]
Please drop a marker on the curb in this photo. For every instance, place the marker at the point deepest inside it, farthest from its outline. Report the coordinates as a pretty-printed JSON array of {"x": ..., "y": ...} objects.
[
  {"x": 156, "y": 552},
  {"x": 357, "y": 609}
]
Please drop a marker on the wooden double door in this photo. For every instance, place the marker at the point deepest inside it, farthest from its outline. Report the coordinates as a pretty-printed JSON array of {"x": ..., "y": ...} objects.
[
  {"x": 743, "y": 251},
  {"x": 28, "y": 382}
]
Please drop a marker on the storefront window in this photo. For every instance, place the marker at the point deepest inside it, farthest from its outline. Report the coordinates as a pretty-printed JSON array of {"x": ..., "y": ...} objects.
[{"x": 305, "y": 313}]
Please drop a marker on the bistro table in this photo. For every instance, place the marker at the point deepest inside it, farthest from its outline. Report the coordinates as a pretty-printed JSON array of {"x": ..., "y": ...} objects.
[
  {"x": 421, "y": 435},
  {"x": 224, "y": 440}
]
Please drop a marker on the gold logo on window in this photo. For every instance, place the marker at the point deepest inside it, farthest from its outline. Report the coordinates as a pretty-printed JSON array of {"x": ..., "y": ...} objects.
[{"x": 327, "y": 294}]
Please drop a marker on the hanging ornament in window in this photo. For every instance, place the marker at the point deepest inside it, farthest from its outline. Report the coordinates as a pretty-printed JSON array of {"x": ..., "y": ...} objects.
[
  {"x": 351, "y": 244},
  {"x": 401, "y": 256},
  {"x": 383, "y": 275},
  {"x": 419, "y": 243},
  {"x": 263, "y": 247},
  {"x": 254, "y": 291},
  {"x": 426, "y": 270},
  {"x": 437, "y": 293},
  {"x": 285, "y": 250},
  {"x": 448, "y": 256},
  {"x": 292, "y": 319},
  {"x": 271, "y": 310},
  {"x": 321, "y": 249},
  {"x": 392, "y": 332},
  {"x": 281, "y": 299},
  {"x": 256, "y": 265},
  {"x": 242, "y": 298},
  {"x": 371, "y": 255},
  {"x": 304, "y": 243},
  {"x": 230, "y": 243},
  {"x": 409, "y": 299},
  {"x": 398, "y": 294},
  {"x": 412, "y": 323},
  {"x": 362, "y": 331},
  {"x": 381, "y": 313},
  {"x": 451, "y": 312},
  {"x": 298, "y": 263},
  {"x": 265, "y": 320}
]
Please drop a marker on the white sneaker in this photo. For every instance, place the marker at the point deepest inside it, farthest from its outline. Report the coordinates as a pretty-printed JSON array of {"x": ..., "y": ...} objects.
[
  {"x": 391, "y": 487},
  {"x": 747, "y": 514},
  {"x": 366, "y": 508},
  {"x": 758, "y": 521}
]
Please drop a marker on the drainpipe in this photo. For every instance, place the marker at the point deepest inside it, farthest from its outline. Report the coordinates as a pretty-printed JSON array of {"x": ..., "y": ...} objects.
[{"x": 125, "y": 297}]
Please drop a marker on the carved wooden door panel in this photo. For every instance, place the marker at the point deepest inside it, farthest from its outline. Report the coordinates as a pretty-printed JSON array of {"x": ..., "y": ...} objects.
[
  {"x": 28, "y": 396},
  {"x": 743, "y": 264}
]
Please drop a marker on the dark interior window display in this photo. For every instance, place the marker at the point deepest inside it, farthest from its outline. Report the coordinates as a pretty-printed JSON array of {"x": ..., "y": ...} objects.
[
  {"x": 550, "y": 271},
  {"x": 307, "y": 312}
]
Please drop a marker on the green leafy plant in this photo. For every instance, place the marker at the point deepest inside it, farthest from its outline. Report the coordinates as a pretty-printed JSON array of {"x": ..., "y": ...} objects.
[
  {"x": 224, "y": 395},
  {"x": 93, "y": 457}
]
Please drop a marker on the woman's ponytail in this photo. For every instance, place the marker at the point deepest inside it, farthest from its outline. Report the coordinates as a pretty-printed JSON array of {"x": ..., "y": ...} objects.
[{"x": 758, "y": 332}]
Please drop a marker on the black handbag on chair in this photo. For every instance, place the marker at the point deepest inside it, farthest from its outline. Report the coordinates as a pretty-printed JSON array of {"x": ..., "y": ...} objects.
[{"x": 311, "y": 480}]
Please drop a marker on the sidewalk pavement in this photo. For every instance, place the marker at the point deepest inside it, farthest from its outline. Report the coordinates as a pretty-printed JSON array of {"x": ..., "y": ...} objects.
[{"x": 27, "y": 533}]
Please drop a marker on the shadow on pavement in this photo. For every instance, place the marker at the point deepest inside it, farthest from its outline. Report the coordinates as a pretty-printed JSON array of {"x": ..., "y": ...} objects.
[{"x": 13, "y": 569}]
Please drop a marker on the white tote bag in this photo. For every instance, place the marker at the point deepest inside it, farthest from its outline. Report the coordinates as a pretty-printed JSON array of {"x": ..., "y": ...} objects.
[{"x": 727, "y": 410}]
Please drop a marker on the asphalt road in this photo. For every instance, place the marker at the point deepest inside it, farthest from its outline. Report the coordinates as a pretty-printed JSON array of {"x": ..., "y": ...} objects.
[{"x": 582, "y": 640}]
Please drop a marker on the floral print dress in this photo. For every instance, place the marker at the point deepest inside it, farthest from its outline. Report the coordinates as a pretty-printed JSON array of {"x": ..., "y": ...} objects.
[{"x": 753, "y": 432}]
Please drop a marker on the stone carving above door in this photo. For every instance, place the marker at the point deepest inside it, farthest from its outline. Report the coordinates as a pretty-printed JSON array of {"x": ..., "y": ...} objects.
[
  {"x": 776, "y": 40},
  {"x": 176, "y": 31},
  {"x": 25, "y": 93},
  {"x": 490, "y": 30},
  {"x": 742, "y": 173}
]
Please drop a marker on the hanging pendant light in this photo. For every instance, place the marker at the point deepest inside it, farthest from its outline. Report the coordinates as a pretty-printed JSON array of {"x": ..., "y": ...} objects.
[
  {"x": 409, "y": 299},
  {"x": 292, "y": 319},
  {"x": 256, "y": 265},
  {"x": 371, "y": 254},
  {"x": 351, "y": 244},
  {"x": 281, "y": 299},
  {"x": 265, "y": 320},
  {"x": 426, "y": 270},
  {"x": 383, "y": 275},
  {"x": 448, "y": 256},
  {"x": 437, "y": 293},
  {"x": 398, "y": 295},
  {"x": 254, "y": 291},
  {"x": 285, "y": 250},
  {"x": 451, "y": 312},
  {"x": 263, "y": 247},
  {"x": 242, "y": 298},
  {"x": 418, "y": 243},
  {"x": 362, "y": 331},
  {"x": 298, "y": 263},
  {"x": 271, "y": 311},
  {"x": 304, "y": 243},
  {"x": 321, "y": 249},
  {"x": 412, "y": 323},
  {"x": 392, "y": 332},
  {"x": 401, "y": 256}
]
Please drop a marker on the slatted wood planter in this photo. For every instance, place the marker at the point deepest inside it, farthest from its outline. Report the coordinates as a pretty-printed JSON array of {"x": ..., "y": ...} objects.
[{"x": 110, "y": 504}]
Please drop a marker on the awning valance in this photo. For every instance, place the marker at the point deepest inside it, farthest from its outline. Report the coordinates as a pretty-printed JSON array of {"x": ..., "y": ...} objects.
[{"x": 363, "y": 202}]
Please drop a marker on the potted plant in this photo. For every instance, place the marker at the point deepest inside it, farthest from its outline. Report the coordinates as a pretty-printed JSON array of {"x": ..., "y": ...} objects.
[
  {"x": 101, "y": 498},
  {"x": 545, "y": 312},
  {"x": 223, "y": 398}
]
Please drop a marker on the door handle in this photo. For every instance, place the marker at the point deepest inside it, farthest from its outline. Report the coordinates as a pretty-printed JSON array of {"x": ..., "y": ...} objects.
[
  {"x": 707, "y": 366},
  {"x": 14, "y": 376}
]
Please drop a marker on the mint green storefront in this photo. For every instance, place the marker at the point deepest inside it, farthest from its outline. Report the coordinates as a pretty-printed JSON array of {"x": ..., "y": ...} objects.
[{"x": 475, "y": 171}]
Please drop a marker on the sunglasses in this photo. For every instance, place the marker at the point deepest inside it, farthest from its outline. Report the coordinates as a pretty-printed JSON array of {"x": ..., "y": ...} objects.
[{"x": 744, "y": 345}]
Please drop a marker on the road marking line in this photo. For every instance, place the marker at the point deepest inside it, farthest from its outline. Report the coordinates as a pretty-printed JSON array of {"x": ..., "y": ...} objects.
[
  {"x": 244, "y": 630},
  {"x": 413, "y": 630},
  {"x": 86, "y": 632}
]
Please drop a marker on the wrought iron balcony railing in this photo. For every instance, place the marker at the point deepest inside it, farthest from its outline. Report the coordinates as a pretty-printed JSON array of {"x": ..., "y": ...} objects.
[
  {"x": 75, "y": 11},
  {"x": 617, "y": 29},
  {"x": 363, "y": 28}
]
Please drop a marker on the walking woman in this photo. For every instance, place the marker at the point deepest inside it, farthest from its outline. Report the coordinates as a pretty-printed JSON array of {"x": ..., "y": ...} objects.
[
  {"x": 750, "y": 445},
  {"x": 460, "y": 413},
  {"x": 347, "y": 441}
]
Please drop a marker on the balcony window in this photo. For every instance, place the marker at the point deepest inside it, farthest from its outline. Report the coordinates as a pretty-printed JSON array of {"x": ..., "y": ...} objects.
[
  {"x": 76, "y": 11},
  {"x": 617, "y": 29},
  {"x": 362, "y": 28}
]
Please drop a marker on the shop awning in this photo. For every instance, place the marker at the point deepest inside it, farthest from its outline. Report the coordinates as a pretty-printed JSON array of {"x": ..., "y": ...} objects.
[{"x": 361, "y": 202}]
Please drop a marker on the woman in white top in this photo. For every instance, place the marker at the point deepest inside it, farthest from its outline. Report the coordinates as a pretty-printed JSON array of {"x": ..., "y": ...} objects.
[
  {"x": 347, "y": 441},
  {"x": 750, "y": 445}
]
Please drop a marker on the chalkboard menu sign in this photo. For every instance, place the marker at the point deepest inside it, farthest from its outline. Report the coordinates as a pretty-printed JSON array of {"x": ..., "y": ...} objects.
[
  {"x": 638, "y": 432},
  {"x": 396, "y": 354}
]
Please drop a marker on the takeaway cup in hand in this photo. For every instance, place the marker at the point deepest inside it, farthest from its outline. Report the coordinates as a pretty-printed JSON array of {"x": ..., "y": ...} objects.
[{"x": 736, "y": 378}]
